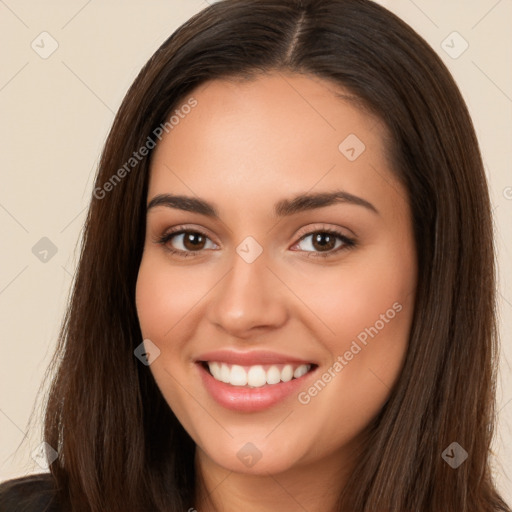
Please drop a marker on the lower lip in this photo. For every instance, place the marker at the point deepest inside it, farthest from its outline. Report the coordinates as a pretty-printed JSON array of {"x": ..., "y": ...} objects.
[{"x": 245, "y": 399}]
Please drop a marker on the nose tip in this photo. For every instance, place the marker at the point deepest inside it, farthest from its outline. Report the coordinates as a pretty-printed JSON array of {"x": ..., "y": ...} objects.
[{"x": 248, "y": 299}]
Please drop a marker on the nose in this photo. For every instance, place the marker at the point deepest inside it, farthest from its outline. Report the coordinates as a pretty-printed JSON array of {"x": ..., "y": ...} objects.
[{"x": 249, "y": 299}]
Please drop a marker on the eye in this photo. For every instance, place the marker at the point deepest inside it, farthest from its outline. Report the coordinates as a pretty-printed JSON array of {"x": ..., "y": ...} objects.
[
  {"x": 324, "y": 242},
  {"x": 190, "y": 240}
]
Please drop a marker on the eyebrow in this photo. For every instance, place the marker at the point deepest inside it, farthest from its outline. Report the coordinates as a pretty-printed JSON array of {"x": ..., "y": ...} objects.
[{"x": 283, "y": 208}]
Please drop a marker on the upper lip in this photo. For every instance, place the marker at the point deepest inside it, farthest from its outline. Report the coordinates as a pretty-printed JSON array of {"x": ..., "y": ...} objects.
[{"x": 251, "y": 358}]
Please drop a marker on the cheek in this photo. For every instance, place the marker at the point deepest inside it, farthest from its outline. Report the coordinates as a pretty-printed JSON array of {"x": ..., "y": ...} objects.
[
  {"x": 162, "y": 302},
  {"x": 368, "y": 307},
  {"x": 164, "y": 296},
  {"x": 362, "y": 294}
]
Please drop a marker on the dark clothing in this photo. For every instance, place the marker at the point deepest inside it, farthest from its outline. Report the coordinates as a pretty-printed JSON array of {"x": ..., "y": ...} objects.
[{"x": 32, "y": 493}]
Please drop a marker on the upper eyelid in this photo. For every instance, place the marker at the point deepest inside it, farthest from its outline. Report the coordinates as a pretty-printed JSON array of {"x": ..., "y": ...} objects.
[
  {"x": 302, "y": 233},
  {"x": 316, "y": 228}
]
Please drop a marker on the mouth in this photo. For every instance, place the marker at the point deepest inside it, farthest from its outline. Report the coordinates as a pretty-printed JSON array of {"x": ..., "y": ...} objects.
[
  {"x": 253, "y": 381},
  {"x": 256, "y": 376}
]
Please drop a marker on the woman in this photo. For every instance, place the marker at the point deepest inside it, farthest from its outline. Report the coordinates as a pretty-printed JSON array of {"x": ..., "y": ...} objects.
[{"x": 285, "y": 296}]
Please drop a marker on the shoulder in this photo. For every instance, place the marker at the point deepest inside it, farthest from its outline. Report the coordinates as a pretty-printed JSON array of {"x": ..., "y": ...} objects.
[{"x": 32, "y": 493}]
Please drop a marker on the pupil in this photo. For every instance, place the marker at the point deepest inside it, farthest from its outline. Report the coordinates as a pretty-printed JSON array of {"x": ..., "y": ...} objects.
[
  {"x": 194, "y": 239},
  {"x": 329, "y": 240}
]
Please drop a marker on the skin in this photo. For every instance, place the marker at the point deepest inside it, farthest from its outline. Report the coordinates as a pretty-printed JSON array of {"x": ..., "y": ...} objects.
[{"x": 245, "y": 146}]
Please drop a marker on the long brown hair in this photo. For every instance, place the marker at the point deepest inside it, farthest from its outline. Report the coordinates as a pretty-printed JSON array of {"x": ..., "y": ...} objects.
[{"x": 120, "y": 446}]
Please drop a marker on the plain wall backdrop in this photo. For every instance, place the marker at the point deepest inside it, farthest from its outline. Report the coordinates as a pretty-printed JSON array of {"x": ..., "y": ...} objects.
[{"x": 65, "y": 67}]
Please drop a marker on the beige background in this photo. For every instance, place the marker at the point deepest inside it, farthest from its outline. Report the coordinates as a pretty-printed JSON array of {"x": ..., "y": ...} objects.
[{"x": 56, "y": 113}]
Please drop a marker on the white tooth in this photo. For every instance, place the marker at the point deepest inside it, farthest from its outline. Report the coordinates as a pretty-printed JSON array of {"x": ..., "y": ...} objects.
[
  {"x": 273, "y": 375},
  {"x": 238, "y": 376},
  {"x": 256, "y": 377},
  {"x": 215, "y": 370},
  {"x": 287, "y": 373},
  {"x": 301, "y": 370},
  {"x": 225, "y": 373}
]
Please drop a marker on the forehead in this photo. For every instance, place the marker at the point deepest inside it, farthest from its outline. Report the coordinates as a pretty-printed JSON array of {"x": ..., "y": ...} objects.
[{"x": 273, "y": 135}]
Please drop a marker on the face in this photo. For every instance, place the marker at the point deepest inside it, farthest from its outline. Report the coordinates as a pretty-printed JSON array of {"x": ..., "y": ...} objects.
[{"x": 282, "y": 322}]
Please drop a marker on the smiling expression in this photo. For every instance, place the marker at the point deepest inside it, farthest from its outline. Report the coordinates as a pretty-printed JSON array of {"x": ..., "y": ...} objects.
[{"x": 293, "y": 243}]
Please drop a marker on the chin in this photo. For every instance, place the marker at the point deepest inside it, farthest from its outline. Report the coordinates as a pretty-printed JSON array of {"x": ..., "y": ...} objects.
[{"x": 255, "y": 457}]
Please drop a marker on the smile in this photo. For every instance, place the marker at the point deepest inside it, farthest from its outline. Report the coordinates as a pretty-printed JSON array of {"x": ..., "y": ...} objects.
[
  {"x": 253, "y": 382},
  {"x": 255, "y": 376}
]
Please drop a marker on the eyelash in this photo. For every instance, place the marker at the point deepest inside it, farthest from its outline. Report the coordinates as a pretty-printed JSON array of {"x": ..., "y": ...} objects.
[{"x": 348, "y": 243}]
